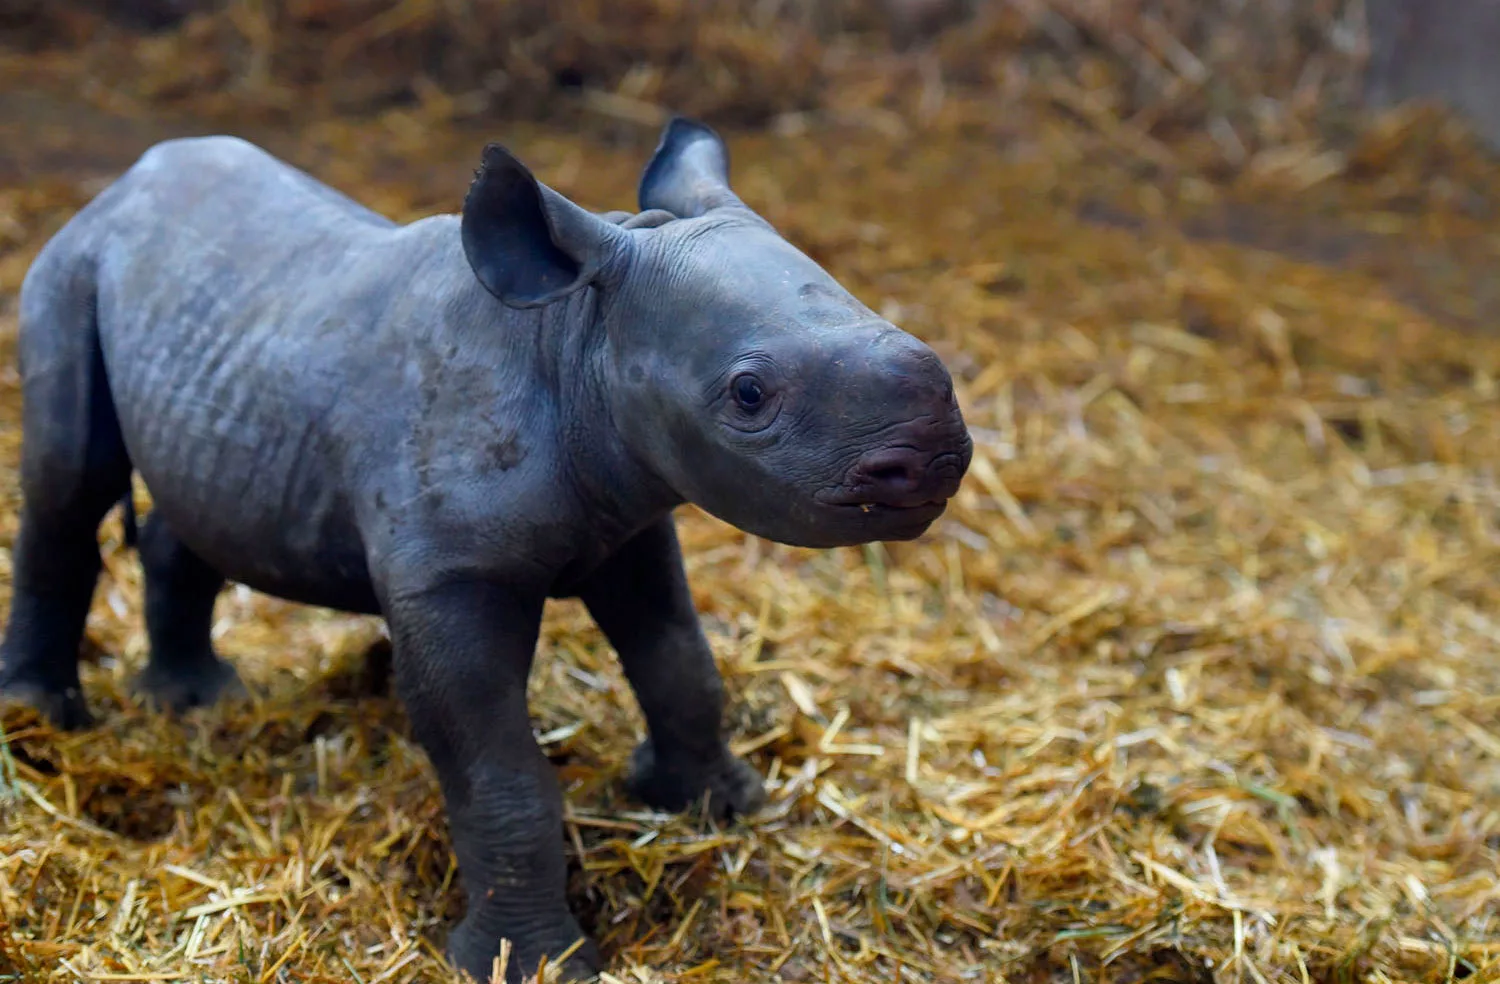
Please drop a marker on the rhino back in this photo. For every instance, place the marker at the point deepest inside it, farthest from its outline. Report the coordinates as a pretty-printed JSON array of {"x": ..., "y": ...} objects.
[{"x": 259, "y": 332}]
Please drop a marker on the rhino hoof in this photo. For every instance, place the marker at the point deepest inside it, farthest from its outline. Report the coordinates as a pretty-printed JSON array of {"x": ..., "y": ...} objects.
[
  {"x": 180, "y": 688},
  {"x": 474, "y": 953},
  {"x": 63, "y": 709},
  {"x": 734, "y": 788}
]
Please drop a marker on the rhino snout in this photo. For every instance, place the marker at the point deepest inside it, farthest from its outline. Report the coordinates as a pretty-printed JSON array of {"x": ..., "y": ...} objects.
[
  {"x": 922, "y": 461},
  {"x": 905, "y": 477}
]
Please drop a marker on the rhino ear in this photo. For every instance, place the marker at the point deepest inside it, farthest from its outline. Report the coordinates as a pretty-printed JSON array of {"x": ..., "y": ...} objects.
[
  {"x": 527, "y": 244},
  {"x": 689, "y": 173}
]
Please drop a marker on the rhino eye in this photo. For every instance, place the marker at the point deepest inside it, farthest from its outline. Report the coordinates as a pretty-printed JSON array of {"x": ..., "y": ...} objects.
[{"x": 749, "y": 393}]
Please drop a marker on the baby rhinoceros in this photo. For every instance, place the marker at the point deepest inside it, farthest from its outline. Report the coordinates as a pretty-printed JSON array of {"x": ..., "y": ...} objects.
[{"x": 444, "y": 423}]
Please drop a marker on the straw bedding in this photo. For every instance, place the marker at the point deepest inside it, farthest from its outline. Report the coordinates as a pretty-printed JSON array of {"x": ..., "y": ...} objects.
[{"x": 1196, "y": 681}]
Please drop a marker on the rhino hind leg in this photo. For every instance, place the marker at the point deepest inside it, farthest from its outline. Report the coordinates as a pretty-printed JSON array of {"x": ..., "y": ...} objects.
[
  {"x": 74, "y": 469},
  {"x": 183, "y": 671}
]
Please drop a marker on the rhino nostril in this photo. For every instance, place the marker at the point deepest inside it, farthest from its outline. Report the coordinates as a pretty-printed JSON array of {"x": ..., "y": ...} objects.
[
  {"x": 892, "y": 476},
  {"x": 889, "y": 474}
]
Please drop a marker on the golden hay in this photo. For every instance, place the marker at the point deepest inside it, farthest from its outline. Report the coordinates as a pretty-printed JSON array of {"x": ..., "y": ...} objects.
[{"x": 1197, "y": 681}]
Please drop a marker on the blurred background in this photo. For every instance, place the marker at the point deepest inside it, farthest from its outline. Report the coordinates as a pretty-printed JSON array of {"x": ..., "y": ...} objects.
[
  {"x": 1196, "y": 681},
  {"x": 1236, "y": 117}
]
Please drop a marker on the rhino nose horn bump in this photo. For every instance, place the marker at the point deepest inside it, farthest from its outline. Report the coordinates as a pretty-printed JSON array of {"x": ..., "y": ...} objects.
[{"x": 923, "y": 374}]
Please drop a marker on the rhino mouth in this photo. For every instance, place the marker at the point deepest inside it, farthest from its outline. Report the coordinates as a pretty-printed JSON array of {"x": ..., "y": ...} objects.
[
  {"x": 894, "y": 509},
  {"x": 887, "y": 516},
  {"x": 863, "y": 521},
  {"x": 853, "y": 521}
]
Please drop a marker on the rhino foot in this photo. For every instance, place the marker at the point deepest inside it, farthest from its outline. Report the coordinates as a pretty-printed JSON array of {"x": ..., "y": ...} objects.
[
  {"x": 178, "y": 688},
  {"x": 733, "y": 787},
  {"x": 64, "y": 709},
  {"x": 474, "y": 952}
]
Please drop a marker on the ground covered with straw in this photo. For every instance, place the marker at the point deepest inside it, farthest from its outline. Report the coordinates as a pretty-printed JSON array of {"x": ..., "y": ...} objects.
[{"x": 1198, "y": 680}]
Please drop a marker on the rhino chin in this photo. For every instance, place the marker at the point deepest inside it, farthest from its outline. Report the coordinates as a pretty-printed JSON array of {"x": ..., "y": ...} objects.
[
  {"x": 826, "y": 527},
  {"x": 876, "y": 522}
]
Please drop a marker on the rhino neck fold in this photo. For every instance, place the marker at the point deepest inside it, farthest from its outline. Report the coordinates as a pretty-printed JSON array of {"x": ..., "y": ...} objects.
[{"x": 616, "y": 484}]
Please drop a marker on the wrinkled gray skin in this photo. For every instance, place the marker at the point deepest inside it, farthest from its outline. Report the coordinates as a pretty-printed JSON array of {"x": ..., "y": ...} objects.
[{"x": 444, "y": 423}]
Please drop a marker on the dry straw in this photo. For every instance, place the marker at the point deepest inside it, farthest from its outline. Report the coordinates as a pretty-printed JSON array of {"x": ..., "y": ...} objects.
[{"x": 1196, "y": 681}]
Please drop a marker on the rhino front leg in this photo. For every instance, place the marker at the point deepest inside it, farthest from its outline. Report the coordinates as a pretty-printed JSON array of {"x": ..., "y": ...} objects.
[
  {"x": 462, "y": 652},
  {"x": 640, "y": 599}
]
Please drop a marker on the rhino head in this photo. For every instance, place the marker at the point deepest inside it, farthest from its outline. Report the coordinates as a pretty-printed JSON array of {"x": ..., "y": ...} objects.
[{"x": 739, "y": 371}]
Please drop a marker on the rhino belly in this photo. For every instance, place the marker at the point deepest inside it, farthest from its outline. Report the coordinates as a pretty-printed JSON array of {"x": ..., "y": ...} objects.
[{"x": 238, "y": 454}]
